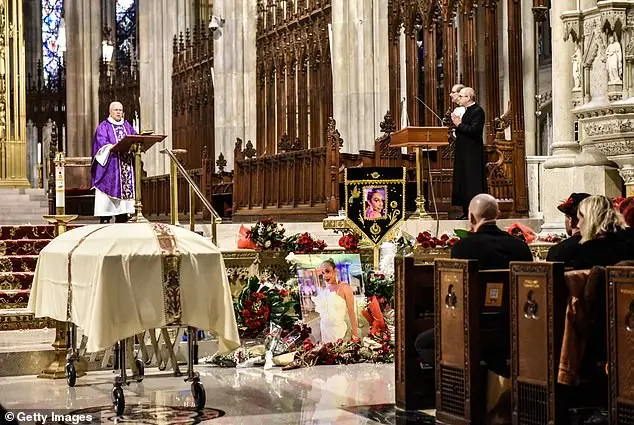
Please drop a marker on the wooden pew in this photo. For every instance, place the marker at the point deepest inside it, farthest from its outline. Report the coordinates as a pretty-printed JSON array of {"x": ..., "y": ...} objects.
[
  {"x": 538, "y": 299},
  {"x": 471, "y": 325},
  {"x": 414, "y": 313},
  {"x": 620, "y": 302}
]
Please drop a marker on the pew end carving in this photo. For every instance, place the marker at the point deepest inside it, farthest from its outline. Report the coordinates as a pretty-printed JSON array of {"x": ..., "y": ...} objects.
[
  {"x": 414, "y": 314},
  {"x": 620, "y": 306},
  {"x": 471, "y": 321}
]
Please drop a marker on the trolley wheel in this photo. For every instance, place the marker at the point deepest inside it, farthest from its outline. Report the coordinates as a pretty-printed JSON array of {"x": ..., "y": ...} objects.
[
  {"x": 198, "y": 391},
  {"x": 118, "y": 400},
  {"x": 71, "y": 374},
  {"x": 140, "y": 369}
]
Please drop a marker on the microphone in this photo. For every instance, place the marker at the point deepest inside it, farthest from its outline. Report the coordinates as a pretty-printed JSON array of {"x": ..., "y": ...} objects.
[{"x": 430, "y": 110}]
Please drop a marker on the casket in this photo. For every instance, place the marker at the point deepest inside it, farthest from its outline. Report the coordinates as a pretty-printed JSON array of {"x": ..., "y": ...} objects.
[{"x": 122, "y": 279}]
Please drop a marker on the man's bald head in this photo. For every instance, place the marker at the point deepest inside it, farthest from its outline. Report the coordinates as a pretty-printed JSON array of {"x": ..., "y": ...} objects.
[
  {"x": 116, "y": 111},
  {"x": 483, "y": 208},
  {"x": 468, "y": 93}
]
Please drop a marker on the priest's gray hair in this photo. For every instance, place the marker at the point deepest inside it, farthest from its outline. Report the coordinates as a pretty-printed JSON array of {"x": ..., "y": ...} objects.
[
  {"x": 113, "y": 104},
  {"x": 469, "y": 92}
]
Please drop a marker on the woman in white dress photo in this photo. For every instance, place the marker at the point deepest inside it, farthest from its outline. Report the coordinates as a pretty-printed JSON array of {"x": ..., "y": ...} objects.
[{"x": 333, "y": 303}]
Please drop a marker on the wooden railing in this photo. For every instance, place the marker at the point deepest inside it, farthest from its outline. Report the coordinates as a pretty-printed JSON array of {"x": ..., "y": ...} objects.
[
  {"x": 155, "y": 193},
  {"x": 305, "y": 184},
  {"x": 297, "y": 185}
]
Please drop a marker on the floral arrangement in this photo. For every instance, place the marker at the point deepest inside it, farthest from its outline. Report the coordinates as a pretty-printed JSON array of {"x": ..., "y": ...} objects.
[
  {"x": 425, "y": 240},
  {"x": 267, "y": 234},
  {"x": 551, "y": 238},
  {"x": 380, "y": 286},
  {"x": 375, "y": 348},
  {"x": 349, "y": 241},
  {"x": 261, "y": 302},
  {"x": 303, "y": 244}
]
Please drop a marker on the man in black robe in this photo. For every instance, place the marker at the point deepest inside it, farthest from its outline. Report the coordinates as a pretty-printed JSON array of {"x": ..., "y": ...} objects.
[
  {"x": 567, "y": 250},
  {"x": 469, "y": 177}
]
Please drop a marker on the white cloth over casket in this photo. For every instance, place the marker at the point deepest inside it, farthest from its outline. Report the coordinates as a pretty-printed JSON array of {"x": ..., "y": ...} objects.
[{"x": 117, "y": 288}]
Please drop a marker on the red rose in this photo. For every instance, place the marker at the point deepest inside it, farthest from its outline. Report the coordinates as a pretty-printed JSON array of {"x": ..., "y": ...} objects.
[
  {"x": 426, "y": 244},
  {"x": 444, "y": 237}
]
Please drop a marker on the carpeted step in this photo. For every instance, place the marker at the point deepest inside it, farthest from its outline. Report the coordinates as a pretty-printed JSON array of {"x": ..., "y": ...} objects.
[
  {"x": 22, "y": 246},
  {"x": 12, "y": 319},
  {"x": 27, "y": 232},
  {"x": 14, "y": 298},
  {"x": 16, "y": 281},
  {"x": 18, "y": 263}
]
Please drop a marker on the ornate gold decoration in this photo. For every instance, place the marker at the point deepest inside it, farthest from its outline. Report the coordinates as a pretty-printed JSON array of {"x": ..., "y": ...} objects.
[
  {"x": 171, "y": 262},
  {"x": 354, "y": 194},
  {"x": 375, "y": 175},
  {"x": 393, "y": 204},
  {"x": 12, "y": 108}
]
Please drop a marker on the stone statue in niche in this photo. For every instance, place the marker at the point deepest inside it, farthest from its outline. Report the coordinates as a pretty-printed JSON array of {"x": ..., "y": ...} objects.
[
  {"x": 614, "y": 60},
  {"x": 576, "y": 68}
]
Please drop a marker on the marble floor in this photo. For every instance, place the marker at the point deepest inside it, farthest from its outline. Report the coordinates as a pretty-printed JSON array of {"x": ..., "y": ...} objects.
[{"x": 346, "y": 395}]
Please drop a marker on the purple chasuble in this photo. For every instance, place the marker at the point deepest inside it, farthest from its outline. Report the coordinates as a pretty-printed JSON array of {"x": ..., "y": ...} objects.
[{"x": 116, "y": 178}]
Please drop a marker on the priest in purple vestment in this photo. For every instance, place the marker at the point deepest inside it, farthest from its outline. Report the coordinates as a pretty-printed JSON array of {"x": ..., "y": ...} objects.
[{"x": 112, "y": 173}]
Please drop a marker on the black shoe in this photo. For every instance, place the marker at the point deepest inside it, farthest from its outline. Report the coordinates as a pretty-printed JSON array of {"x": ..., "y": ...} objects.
[{"x": 462, "y": 217}]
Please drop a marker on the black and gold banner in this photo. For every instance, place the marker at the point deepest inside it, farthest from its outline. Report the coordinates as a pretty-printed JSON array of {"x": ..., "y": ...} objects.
[{"x": 375, "y": 200}]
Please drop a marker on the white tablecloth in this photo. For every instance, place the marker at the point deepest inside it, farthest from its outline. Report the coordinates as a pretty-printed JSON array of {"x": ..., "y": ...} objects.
[{"x": 118, "y": 284}]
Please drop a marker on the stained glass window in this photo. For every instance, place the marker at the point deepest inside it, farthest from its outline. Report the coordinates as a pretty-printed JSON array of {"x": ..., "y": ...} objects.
[
  {"x": 126, "y": 30},
  {"x": 51, "y": 55}
]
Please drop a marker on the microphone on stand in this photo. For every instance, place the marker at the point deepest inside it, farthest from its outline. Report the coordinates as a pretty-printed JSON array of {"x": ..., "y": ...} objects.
[{"x": 429, "y": 109}]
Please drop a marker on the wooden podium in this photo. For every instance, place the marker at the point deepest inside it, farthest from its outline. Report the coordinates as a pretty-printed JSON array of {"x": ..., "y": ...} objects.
[
  {"x": 420, "y": 138},
  {"x": 137, "y": 143}
]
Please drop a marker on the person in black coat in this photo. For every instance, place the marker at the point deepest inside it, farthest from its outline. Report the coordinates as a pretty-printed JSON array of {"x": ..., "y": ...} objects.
[
  {"x": 491, "y": 246},
  {"x": 566, "y": 250},
  {"x": 494, "y": 249},
  {"x": 469, "y": 176}
]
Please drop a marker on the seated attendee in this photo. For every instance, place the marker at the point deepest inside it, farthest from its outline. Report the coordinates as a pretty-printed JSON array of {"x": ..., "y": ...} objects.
[
  {"x": 494, "y": 249},
  {"x": 491, "y": 246},
  {"x": 566, "y": 250},
  {"x": 601, "y": 228}
]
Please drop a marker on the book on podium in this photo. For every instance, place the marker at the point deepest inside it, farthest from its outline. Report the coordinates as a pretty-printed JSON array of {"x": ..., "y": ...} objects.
[
  {"x": 142, "y": 140},
  {"x": 420, "y": 137}
]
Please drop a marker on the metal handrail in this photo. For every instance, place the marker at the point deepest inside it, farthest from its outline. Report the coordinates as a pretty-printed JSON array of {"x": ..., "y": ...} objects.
[{"x": 175, "y": 167}]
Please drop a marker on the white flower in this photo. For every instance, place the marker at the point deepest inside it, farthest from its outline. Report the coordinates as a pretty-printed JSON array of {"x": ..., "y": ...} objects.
[
  {"x": 267, "y": 244},
  {"x": 290, "y": 258}
]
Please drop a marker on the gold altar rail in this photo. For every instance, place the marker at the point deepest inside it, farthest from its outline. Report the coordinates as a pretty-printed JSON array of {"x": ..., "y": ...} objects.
[{"x": 194, "y": 191}]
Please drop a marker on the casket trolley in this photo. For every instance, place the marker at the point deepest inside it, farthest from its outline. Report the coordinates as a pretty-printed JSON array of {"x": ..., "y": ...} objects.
[{"x": 117, "y": 281}]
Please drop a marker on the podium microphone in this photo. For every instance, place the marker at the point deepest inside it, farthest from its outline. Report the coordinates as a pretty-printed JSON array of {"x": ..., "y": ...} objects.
[{"x": 429, "y": 109}]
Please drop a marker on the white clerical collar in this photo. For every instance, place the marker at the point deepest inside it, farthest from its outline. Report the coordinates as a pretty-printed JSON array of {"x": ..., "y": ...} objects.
[{"x": 112, "y": 121}]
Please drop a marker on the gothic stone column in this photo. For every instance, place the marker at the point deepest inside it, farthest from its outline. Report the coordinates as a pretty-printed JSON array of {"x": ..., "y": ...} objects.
[
  {"x": 557, "y": 179},
  {"x": 82, "y": 72},
  {"x": 234, "y": 75},
  {"x": 158, "y": 22}
]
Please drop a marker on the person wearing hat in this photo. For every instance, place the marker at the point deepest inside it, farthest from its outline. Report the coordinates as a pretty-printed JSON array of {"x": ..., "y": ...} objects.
[{"x": 566, "y": 250}]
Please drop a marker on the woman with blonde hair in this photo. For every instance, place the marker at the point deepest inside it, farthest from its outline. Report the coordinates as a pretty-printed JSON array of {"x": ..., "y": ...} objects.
[{"x": 600, "y": 225}]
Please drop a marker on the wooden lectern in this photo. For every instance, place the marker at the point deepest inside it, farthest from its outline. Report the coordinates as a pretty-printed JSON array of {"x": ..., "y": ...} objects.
[
  {"x": 420, "y": 138},
  {"x": 137, "y": 143}
]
